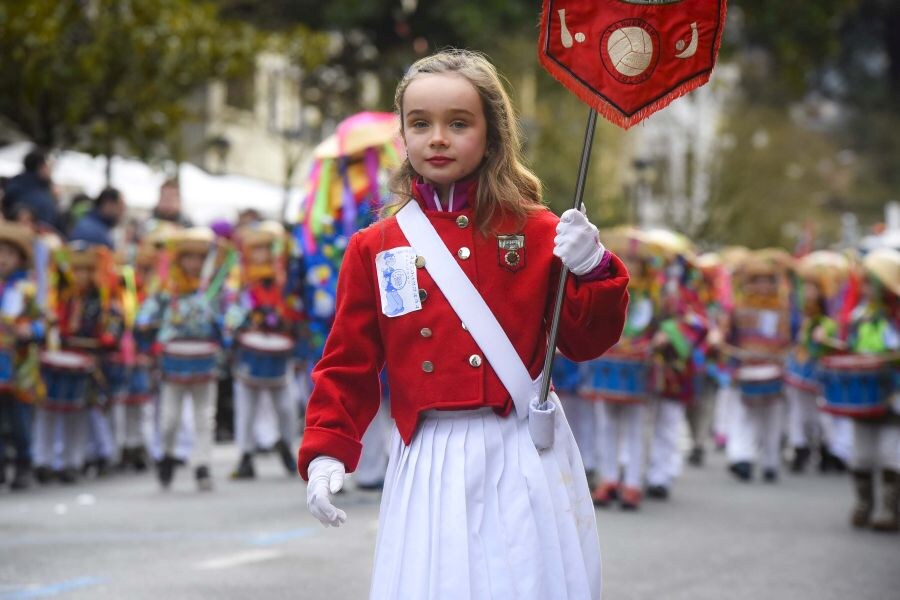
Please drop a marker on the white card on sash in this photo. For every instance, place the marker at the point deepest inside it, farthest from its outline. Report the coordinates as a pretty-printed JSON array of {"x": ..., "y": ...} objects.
[{"x": 397, "y": 281}]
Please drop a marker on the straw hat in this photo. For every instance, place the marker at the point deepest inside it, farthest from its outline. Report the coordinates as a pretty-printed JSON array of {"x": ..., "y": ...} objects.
[
  {"x": 194, "y": 239},
  {"x": 670, "y": 244},
  {"x": 19, "y": 236},
  {"x": 161, "y": 233},
  {"x": 768, "y": 261},
  {"x": 81, "y": 254},
  {"x": 709, "y": 261},
  {"x": 259, "y": 234},
  {"x": 884, "y": 265},
  {"x": 827, "y": 268}
]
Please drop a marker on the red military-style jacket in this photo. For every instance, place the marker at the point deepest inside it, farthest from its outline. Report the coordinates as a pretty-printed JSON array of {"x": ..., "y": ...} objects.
[{"x": 432, "y": 360}]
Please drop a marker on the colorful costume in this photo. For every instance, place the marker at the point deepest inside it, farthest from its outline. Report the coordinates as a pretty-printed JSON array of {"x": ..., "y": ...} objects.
[
  {"x": 21, "y": 328},
  {"x": 264, "y": 326}
]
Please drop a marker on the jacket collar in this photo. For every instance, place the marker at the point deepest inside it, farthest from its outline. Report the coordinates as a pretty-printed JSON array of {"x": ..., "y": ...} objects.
[{"x": 462, "y": 195}]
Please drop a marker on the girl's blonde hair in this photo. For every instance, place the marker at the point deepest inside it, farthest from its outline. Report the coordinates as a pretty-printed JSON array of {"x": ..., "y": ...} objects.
[{"x": 504, "y": 183}]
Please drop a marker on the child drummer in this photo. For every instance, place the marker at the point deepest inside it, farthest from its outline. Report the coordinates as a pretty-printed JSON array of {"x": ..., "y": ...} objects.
[
  {"x": 187, "y": 308},
  {"x": 88, "y": 326},
  {"x": 138, "y": 389},
  {"x": 875, "y": 330},
  {"x": 261, "y": 307},
  {"x": 759, "y": 337},
  {"x": 21, "y": 327}
]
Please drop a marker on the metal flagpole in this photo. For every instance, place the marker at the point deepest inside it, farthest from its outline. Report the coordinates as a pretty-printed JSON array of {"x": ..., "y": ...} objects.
[{"x": 564, "y": 272}]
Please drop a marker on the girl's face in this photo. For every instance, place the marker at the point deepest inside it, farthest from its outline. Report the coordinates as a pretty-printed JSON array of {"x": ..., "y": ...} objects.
[
  {"x": 444, "y": 128},
  {"x": 260, "y": 255}
]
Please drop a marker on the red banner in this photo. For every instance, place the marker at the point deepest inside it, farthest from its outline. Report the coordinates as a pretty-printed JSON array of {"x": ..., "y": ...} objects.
[{"x": 630, "y": 58}]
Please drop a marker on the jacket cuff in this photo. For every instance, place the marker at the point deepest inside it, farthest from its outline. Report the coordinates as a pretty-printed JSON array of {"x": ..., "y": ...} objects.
[
  {"x": 603, "y": 270},
  {"x": 320, "y": 441}
]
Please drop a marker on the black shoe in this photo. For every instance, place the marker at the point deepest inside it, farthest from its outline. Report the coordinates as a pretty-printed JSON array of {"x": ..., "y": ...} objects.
[
  {"x": 742, "y": 470},
  {"x": 287, "y": 457},
  {"x": 695, "y": 458},
  {"x": 204, "y": 479},
  {"x": 770, "y": 476},
  {"x": 68, "y": 476},
  {"x": 165, "y": 471},
  {"x": 801, "y": 457},
  {"x": 2, "y": 469},
  {"x": 101, "y": 467},
  {"x": 245, "y": 468},
  {"x": 658, "y": 492},
  {"x": 139, "y": 459},
  {"x": 43, "y": 475},
  {"x": 22, "y": 477}
]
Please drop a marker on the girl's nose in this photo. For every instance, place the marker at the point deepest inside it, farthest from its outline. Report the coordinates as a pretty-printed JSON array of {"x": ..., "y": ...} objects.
[{"x": 438, "y": 138}]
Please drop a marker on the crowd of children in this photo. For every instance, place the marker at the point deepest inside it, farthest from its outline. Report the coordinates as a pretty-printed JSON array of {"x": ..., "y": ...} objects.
[
  {"x": 775, "y": 359},
  {"x": 114, "y": 360}
]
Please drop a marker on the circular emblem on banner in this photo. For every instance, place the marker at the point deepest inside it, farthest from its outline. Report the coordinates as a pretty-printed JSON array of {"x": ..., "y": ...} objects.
[{"x": 630, "y": 50}]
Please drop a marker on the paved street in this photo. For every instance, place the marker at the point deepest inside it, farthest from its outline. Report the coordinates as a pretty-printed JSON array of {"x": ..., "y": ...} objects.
[{"x": 123, "y": 538}]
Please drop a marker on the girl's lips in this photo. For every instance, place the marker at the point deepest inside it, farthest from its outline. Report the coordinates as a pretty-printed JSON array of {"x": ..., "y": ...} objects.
[{"x": 439, "y": 160}]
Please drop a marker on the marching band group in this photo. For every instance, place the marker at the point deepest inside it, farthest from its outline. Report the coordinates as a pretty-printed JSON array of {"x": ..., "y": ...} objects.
[
  {"x": 110, "y": 359},
  {"x": 770, "y": 357}
]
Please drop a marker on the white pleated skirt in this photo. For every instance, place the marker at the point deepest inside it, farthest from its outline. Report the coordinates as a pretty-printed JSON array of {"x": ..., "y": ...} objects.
[{"x": 471, "y": 510}]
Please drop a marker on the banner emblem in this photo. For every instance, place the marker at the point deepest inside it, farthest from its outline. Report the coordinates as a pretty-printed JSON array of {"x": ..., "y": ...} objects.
[{"x": 630, "y": 58}]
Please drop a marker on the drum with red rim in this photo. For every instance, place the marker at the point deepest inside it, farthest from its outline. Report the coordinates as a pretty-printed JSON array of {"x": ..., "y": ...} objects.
[
  {"x": 856, "y": 385},
  {"x": 263, "y": 358},
  {"x": 619, "y": 376},
  {"x": 189, "y": 361},
  {"x": 760, "y": 382},
  {"x": 65, "y": 374}
]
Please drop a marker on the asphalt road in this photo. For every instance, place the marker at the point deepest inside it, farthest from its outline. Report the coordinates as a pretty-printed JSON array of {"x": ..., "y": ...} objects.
[{"x": 123, "y": 538}]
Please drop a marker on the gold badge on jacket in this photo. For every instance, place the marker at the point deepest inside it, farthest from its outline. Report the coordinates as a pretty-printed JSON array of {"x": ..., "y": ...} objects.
[{"x": 511, "y": 251}]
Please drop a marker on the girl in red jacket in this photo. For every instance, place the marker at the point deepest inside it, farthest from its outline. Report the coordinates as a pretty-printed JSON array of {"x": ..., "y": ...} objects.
[{"x": 471, "y": 508}]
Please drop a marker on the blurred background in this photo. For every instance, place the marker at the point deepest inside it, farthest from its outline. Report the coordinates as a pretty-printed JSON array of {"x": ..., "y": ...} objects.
[{"x": 794, "y": 141}]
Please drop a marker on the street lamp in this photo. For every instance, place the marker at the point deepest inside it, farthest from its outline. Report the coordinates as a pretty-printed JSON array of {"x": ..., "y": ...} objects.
[{"x": 644, "y": 177}]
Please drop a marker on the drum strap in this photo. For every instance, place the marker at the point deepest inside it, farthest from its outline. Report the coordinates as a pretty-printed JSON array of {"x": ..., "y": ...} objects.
[{"x": 469, "y": 306}]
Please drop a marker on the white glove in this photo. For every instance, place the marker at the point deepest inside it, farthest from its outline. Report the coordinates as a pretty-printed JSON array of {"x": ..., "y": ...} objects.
[
  {"x": 326, "y": 477},
  {"x": 577, "y": 243}
]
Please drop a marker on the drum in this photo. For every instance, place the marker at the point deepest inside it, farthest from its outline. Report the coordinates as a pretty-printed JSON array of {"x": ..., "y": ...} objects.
[
  {"x": 856, "y": 385},
  {"x": 760, "y": 383},
  {"x": 115, "y": 371},
  {"x": 7, "y": 368},
  {"x": 189, "y": 361},
  {"x": 619, "y": 376},
  {"x": 263, "y": 358},
  {"x": 139, "y": 388},
  {"x": 66, "y": 375},
  {"x": 803, "y": 375}
]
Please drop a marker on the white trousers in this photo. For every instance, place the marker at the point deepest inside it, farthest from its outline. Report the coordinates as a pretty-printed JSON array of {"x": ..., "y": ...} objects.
[
  {"x": 203, "y": 401},
  {"x": 804, "y": 419},
  {"x": 471, "y": 510},
  {"x": 838, "y": 435},
  {"x": 580, "y": 413},
  {"x": 131, "y": 420},
  {"x": 875, "y": 446},
  {"x": 59, "y": 439},
  {"x": 101, "y": 442},
  {"x": 726, "y": 397},
  {"x": 665, "y": 458},
  {"x": 376, "y": 448},
  {"x": 756, "y": 430},
  {"x": 248, "y": 403},
  {"x": 621, "y": 432}
]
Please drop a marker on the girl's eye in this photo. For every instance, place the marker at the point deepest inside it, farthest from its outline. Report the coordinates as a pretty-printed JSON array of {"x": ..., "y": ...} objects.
[
  {"x": 458, "y": 124},
  {"x": 418, "y": 124}
]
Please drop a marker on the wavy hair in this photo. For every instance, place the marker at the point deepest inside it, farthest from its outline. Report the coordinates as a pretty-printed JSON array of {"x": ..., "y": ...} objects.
[{"x": 505, "y": 186}]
